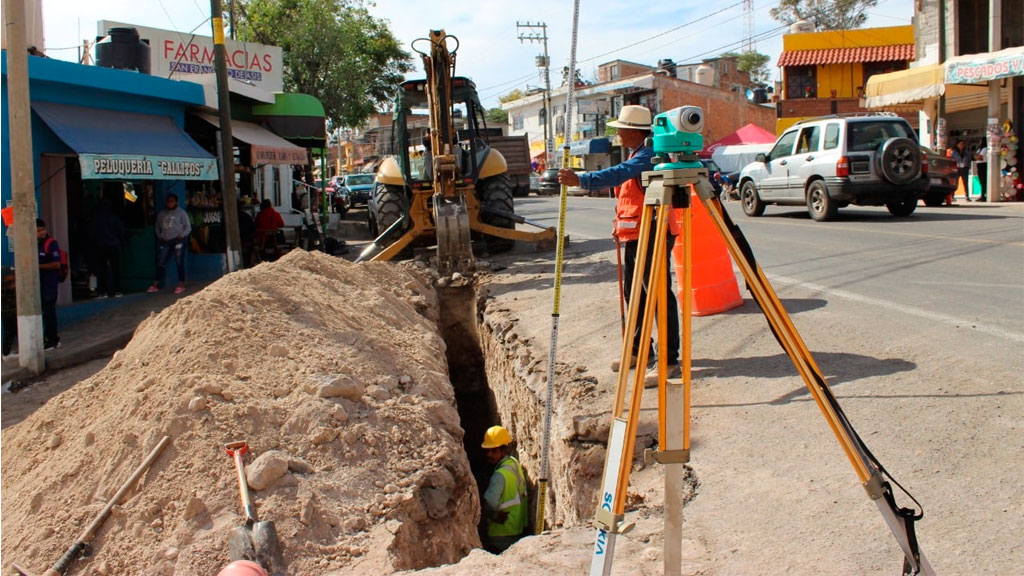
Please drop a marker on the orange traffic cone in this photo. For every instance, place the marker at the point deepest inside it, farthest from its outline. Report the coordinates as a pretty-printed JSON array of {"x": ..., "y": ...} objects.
[{"x": 714, "y": 286}]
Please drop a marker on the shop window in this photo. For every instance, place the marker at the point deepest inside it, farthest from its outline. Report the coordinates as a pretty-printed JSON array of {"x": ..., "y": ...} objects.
[
  {"x": 650, "y": 101},
  {"x": 802, "y": 82}
]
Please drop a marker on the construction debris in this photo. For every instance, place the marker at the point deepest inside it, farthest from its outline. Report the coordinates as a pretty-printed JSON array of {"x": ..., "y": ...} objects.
[{"x": 336, "y": 375}]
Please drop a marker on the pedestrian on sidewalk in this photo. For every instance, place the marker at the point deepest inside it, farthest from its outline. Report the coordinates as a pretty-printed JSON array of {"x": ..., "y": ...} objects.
[
  {"x": 172, "y": 230},
  {"x": 634, "y": 126},
  {"x": 49, "y": 270},
  {"x": 107, "y": 232},
  {"x": 962, "y": 156}
]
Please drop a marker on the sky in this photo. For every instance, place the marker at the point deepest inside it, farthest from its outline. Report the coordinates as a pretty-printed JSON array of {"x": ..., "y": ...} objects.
[{"x": 490, "y": 52}]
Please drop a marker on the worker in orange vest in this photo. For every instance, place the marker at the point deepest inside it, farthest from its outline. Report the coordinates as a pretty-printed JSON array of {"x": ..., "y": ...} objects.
[{"x": 634, "y": 126}]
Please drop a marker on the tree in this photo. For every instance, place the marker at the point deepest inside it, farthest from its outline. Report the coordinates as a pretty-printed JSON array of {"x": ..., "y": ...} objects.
[
  {"x": 753, "y": 63},
  {"x": 824, "y": 14},
  {"x": 334, "y": 50},
  {"x": 565, "y": 77},
  {"x": 497, "y": 116}
]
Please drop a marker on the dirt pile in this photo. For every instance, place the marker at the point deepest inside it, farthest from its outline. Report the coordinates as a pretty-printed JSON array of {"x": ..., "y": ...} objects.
[{"x": 334, "y": 373}]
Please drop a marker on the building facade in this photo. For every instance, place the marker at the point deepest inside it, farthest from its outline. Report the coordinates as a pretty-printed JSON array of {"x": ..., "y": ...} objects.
[
  {"x": 725, "y": 110},
  {"x": 825, "y": 72}
]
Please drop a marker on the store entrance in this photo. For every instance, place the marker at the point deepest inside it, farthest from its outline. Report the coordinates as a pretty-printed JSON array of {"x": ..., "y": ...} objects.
[{"x": 131, "y": 204}]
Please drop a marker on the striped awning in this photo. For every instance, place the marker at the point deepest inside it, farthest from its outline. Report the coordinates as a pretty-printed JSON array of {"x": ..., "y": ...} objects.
[{"x": 893, "y": 53}]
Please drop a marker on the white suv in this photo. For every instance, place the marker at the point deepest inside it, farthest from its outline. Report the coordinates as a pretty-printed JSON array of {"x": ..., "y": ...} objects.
[{"x": 830, "y": 162}]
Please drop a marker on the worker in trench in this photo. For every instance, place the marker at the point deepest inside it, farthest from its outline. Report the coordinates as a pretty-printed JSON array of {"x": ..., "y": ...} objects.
[{"x": 505, "y": 502}]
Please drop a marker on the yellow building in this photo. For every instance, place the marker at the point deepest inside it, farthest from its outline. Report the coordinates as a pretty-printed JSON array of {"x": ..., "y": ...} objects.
[{"x": 825, "y": 72}]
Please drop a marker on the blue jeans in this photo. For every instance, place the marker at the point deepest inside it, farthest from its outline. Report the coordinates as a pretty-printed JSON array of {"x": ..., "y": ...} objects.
[{"x": 164, "y": 252}]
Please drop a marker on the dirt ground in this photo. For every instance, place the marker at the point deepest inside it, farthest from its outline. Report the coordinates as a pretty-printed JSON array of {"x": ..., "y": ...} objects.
[{"x": 768, "y": 489}]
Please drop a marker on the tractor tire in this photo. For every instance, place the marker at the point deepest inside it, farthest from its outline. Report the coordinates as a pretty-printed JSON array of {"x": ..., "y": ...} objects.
[
  {"x": 496, "y": 193},
  {"x": 389, "y": 206}
]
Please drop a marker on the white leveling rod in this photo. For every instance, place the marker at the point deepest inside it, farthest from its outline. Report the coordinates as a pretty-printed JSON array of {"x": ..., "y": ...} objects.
[{"x": 542, "y": 482}]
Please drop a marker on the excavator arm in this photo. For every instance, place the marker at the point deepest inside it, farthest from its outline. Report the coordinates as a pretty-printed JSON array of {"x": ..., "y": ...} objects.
[{"x": 451, "y": 212}]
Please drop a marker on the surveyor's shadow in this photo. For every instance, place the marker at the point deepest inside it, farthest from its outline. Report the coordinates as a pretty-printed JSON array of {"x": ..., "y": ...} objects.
[{"x": 837, "y": 367}]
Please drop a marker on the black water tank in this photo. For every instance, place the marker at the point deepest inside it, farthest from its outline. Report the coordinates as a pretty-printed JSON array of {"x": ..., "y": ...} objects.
[
  {"x": 123, "y": 49},
  {"x": 760, "y": 95}
]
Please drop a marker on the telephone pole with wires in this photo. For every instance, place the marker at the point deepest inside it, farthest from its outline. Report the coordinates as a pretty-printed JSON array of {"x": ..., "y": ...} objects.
[
  {"x": 543, "y": 62},
  {"x": 749, "y": 44}
]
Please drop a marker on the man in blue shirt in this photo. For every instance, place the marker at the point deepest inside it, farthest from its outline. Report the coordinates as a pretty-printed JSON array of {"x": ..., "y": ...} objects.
[
  {"x": 49, "y": 268},
  {"x": 634, "y": 126}
]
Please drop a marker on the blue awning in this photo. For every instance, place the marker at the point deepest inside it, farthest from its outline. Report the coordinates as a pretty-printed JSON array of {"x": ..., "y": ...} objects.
[
  {"x": 116, "y": 145},
  {"x": 590, "y": 146}
]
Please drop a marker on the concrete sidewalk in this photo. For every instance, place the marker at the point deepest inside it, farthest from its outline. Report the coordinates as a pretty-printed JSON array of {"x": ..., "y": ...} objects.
[{"x": 96, "y": 328}]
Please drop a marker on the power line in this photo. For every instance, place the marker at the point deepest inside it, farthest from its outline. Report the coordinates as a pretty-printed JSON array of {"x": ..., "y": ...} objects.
[{"x": 649, "y": 38}]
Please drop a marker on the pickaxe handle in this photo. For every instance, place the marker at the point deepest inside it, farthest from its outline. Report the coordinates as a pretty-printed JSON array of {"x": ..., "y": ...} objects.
[{"x": 76, "y": 549}]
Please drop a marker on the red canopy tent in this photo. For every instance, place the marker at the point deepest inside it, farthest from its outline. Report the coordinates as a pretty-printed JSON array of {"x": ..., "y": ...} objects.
[{"x": 749, "y": 134}]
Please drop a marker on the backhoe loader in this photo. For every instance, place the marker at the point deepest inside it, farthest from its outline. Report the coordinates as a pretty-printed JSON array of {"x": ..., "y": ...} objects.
[{"x": 455, "y": 188}]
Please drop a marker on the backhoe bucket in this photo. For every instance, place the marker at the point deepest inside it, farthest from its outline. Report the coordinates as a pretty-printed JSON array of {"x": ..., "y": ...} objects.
[{"x": 454, "y": 248}]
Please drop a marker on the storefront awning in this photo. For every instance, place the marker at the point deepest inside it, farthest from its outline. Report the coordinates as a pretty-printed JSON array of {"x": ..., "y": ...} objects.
[
  {"x": 267, "y": 147},
  {"x": 116, "y": 145},
  {"x": 590, "y": 146},
  {"x": 976, "y": 68},
  {"x": 298, "y": 118},
  {"x": 903, "y": 86},
  {"x": 820, "y": 56}
]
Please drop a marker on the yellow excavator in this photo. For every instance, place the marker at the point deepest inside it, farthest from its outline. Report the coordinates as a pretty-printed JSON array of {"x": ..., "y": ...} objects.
[{"x": 448, "y": 186}]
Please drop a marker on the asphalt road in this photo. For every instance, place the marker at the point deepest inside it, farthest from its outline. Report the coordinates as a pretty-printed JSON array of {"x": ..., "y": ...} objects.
[{"x": 941, "y": 268}]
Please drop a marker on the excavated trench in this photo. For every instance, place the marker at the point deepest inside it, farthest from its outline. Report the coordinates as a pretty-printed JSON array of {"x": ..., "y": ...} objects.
[
  {"x": 467, "y": 371},
  {"x": 497, "y": 380},
  {"x": 500, "y": 378}
]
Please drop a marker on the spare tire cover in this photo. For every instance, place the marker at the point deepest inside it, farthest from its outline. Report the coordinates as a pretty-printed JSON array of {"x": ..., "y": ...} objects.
[{"x": 900, "y": 160}]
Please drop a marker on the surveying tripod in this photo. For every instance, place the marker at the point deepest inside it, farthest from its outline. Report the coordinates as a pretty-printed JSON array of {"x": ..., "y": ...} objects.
[{"x": 669, "y": 187}]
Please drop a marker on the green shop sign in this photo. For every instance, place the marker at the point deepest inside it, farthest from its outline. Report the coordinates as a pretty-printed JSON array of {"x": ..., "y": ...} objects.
[{"x": 130, "y": 167}]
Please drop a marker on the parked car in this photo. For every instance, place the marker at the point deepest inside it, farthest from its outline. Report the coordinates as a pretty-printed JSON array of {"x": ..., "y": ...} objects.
[
  {"x": 549, "y": 185},
  {"x": 942, "y": 177},
  {"x": 359, "y": 187},
  {"x": 830, "y": 162}
]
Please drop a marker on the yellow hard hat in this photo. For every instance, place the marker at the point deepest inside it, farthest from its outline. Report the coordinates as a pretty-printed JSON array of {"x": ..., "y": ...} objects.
[{"x": 496, "y": 436}]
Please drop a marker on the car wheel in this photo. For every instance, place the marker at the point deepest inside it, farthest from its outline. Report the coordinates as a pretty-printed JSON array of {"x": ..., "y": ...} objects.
[
  {"x": 902, "y": 207},
  {"x": 752, "y": 203},
  {"x": 819, "y": 205},
  {"x": 900, "y": 160}
]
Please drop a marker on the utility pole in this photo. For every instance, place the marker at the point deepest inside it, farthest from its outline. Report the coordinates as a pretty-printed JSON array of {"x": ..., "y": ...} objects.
[
  {"x": 994, "y": 132},
  {"x": 545, "y": 63},
  {"x": 23, "y": 192},
  {"x": 227, "y": 146}
]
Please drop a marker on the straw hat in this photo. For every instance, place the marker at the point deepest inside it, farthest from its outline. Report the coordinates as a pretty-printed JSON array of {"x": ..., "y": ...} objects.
[{"x": 635, "y": 117}]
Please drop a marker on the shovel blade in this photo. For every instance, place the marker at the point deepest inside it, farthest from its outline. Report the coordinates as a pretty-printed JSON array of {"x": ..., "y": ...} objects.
[
  {"x": 240, "y": 544},
  {"x": 268, "y": 548}
]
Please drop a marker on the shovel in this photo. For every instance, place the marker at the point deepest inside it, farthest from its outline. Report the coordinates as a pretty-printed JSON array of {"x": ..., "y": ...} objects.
[{"x": 256, "y": 541}]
